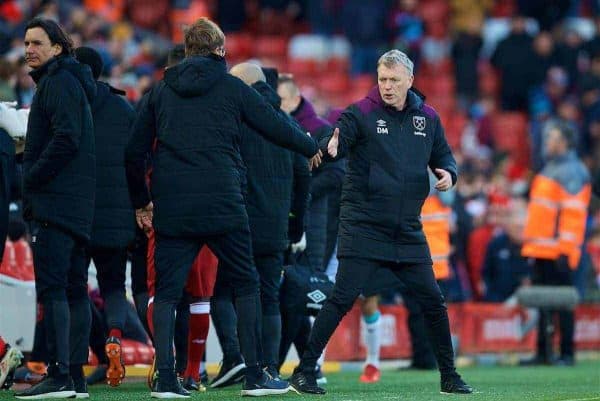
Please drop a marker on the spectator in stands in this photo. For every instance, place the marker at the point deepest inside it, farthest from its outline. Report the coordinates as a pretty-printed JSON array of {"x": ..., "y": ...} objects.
[
  {"x": 568, "y": 53},
  {"x": 365, "y": 25},
  {"x": 465, "y": 54},
  {"x": 7, "y": 92},
  {"x": 508, "y": 59},
  {"x": 59, "y": 185},
  {"x": 555, "y": 228},
  {"x": 504, "y": 269},
  {"x": 24, "y": 86},
  {"x": 544, "y": 55},
  {"x": 407, "y": 28},
  {"x": 114, "y": 222}
]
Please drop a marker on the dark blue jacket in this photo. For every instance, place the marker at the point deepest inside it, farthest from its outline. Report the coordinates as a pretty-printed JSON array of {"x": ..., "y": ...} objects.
[
  {"x": 324, "y": 181},
  {"x": 386, "y": 180},
  {"x": 7, "y": 171},
  {"x": 269, "y": 173},
  {"x": 114, "y": 221},
  {"x": 195, "y": 116},
  {"x": 503, "y": 268},
  {"x": 59, "y": 162}
]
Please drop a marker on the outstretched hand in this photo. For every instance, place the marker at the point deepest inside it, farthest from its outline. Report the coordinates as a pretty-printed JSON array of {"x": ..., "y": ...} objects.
[
  {"x": 332, "y": 146},
  {"x": 316, "y": 160}
]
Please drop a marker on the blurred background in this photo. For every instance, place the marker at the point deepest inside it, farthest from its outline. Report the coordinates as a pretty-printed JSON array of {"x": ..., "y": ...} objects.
[{"x": 495, "y": 71}]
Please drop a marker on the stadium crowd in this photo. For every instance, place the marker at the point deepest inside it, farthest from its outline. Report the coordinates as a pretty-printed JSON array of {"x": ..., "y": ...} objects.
[{"x": 501, "y": 75}]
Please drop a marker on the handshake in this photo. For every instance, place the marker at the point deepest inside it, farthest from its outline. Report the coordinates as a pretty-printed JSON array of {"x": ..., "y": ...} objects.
[{"x": 14, "y": 122}]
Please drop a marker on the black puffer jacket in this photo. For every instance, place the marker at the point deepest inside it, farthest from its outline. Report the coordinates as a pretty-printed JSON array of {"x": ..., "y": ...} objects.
[
  {"x": 114, "y": 221},
  {"x": 386, "y": 180},
  {"x": 7, "y": 171},
  {"x": 195, "y": 115},
  {"x": 59, "y": 162},
  {"x": 323, "y": 183},
  {"x": 269, "y": 175}
]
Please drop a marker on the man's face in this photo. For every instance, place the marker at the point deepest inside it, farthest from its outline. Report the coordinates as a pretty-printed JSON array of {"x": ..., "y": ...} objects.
[
  {"x": 289, "y": 100},
  {"x": 394, "y": 83},
  {"x": 38, "y": 48},
  {"x": 554, "y": 143}
]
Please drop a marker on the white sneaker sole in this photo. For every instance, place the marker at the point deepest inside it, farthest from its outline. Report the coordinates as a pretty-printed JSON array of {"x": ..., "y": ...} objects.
[
  {"x": 236, "y": 369},
  {"x": 264, "y": 391},
  {"x": 55, "y": 395},
  {"x": 11, "y": 360},
  {"x": 167, "y": 395},
  {"x": 82, "y": 395}
]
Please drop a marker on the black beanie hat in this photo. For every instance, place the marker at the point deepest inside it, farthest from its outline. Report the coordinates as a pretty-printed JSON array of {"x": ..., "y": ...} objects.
[{"x": 89, "y": 56}]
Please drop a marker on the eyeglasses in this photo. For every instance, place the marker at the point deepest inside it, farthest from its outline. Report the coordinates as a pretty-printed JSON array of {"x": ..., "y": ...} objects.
[{"x": 221, "y": 51}]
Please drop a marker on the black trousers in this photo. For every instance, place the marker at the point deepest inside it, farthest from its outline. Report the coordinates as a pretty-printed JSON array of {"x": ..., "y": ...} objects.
[
  {"x": 351, "y": 277},
  {"x": 111, "y": 264},
  {"x": 549, "y": 272},
  {"x": 139, "y": 276},
  {"x": 173, "y": 260},
  {"x": 61, "y": 286},
  {"x": 422, "y": 352},
  {"x": 269, "y": 267}
]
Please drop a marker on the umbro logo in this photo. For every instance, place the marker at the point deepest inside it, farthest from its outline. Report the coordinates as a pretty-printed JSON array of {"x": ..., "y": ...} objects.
[
  {"x": 317, "y": 296},
  {"x": 419, "y": 133},
  {"x": 382, "y": 127}
]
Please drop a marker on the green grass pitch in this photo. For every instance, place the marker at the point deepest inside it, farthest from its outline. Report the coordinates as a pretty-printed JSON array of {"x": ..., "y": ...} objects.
[{"x": 581, "y": 383}]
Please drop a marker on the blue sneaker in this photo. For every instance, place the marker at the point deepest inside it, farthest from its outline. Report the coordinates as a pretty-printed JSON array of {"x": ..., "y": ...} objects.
[{"x": 264, "y": 385}]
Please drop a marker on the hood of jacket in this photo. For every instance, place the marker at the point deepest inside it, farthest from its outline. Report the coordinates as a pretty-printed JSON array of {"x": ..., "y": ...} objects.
[
  {"x": 81, "y": 72},
  {"x": 195, "y": 75}
]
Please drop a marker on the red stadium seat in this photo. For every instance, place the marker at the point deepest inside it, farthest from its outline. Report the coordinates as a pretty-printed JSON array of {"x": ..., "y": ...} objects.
[
  {"x": 302, "y": 67},
  {"x": 363, "y": 83},
  {"x": 335, "y": 83},
  {"x": 510, "y": 133},
  {"x": 270, "y": 46},
  {"x": 239, "y": 45}
]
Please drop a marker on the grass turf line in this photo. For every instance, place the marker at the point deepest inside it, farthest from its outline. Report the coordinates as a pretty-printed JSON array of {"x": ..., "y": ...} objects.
[{"x": 506, "y": 383}]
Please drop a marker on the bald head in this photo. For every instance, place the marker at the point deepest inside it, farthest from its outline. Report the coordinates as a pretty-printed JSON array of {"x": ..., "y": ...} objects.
[{"x": 249, "y": 73}]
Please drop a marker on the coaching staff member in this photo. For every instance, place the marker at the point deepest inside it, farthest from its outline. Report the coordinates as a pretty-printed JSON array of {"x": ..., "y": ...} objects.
[
  {"x": 59, "y": 182},
  {"x": 195, "y": 116},
  {"x": 390, "y": 138}
]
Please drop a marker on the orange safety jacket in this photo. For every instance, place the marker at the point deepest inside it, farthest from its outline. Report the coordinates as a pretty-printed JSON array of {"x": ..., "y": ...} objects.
[
  {"x": 435, "y": 217},
  {"x": 557, "y": 212}
]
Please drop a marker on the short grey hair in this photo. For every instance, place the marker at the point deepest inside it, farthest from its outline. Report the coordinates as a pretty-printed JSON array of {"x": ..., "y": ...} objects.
[{"x": 395, "y": 57}]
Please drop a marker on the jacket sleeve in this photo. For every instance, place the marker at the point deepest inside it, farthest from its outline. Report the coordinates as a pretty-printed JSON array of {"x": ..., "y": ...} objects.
[
  {"x": 62, "y": 103},
  {"x": 350, "y": 134},
  {"x": 261, "y": 116},
  {"x": 138, "y": 150},
  {"x": 328, "y": 179},
  {"x": 300, "y": 196},
  {"x": 441, "y": 155}
]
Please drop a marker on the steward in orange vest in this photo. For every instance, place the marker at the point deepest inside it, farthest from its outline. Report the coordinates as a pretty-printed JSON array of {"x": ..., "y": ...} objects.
[
  {"x": 435, "y": 216},
  {"x": 555, "y": 229}
]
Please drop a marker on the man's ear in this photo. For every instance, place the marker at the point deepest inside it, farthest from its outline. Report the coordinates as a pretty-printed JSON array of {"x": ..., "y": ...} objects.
[{"x": 57, "y": 49}]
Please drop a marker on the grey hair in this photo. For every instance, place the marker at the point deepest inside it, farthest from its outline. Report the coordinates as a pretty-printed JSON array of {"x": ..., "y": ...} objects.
[{"x": 395, "y": 57}]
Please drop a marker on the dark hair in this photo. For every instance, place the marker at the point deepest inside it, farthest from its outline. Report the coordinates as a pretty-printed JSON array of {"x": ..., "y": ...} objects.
[
  {"x": 90, "y": 57},
  {"x": 55, "y": 33},
  {"x": 567, "y": 132},
  {"x": 203, "y": 37},
  {"x": 176, "y": 55}
]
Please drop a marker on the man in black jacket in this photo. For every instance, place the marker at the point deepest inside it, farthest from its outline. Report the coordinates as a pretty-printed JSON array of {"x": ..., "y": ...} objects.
[
  {"x": 114, "y": 221},
  {"x": 269, "y": 172},
  {"x": 390, "y": 138},
  {"x": 59, "y": 182},
  {"x": 194, "y": 115}
]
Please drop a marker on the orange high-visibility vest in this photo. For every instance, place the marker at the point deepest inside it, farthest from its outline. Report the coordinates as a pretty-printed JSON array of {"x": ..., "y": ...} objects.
[
  {"x": 435, "y": 217},
  {"x": 555, "y": 221}
]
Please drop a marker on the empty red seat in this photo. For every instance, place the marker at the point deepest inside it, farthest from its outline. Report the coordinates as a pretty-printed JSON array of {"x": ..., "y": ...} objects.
[
  {"x": 337, "y": 65},
  {"x": 335, "y": 83},
  {"x": 270, "y": 46},
  {"x": 303, "y": 67},
  {"x": 239, "y": 45},
  {"x": 510, "y": 133}
]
